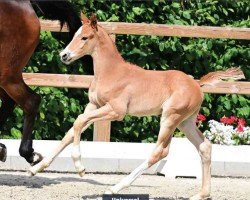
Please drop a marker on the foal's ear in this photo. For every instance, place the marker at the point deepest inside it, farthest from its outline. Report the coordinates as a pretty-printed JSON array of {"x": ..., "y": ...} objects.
[
  {"x": 93, "y": 21},
  {"x": 84, "y": 18}
]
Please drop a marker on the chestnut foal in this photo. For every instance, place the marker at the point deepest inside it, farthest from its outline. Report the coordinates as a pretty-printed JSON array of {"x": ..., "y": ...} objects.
[{"x": 121, "y": 88}]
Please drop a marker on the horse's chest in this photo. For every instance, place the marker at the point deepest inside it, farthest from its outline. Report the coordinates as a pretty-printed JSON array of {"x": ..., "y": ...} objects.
[{"x": 99, "y": 95}]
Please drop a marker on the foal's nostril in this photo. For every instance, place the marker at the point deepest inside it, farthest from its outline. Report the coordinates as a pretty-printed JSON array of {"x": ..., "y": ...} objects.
[{"x": 65, "y": 56}]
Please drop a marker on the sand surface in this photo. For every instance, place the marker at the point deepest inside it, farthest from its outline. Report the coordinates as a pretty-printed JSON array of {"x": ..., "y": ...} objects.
[{"x": 48, "y": 186}]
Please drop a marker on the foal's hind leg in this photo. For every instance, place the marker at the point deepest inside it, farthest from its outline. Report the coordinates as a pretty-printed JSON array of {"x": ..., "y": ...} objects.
[
  {"x": 128, "y": 180},
  {"x": 169, "y": 121},
  {"x": 29, "y": 102},
  {"x": 204, "y": 148},
  {"x": 6, "y": 109}
]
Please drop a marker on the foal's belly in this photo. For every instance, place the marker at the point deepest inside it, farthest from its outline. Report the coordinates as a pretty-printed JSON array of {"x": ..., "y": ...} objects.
[
  {"x": 144, "y": 107},
  {"x": 141, "y": 113}
]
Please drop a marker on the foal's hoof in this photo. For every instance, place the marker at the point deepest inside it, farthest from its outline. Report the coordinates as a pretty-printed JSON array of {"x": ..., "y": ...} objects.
[
  {"x": 31, "y": 173},
  {"x": 200, "y": 197},
  {"x": 109, "y": 191},
  {"x": 81, "y": 173},
  {"x": 3, "y": 152},
  {"x": 37, "y": 157}
]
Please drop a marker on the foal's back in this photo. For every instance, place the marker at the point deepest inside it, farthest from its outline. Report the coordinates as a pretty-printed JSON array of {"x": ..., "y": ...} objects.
[{"x": 150, "y": 90}]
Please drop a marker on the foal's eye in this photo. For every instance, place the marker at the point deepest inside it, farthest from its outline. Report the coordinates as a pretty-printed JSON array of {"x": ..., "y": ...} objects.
[{"x": 84, "y": 38}]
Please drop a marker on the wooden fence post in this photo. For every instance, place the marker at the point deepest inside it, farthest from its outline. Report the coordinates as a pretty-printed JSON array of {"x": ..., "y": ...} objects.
[{"x": 102, "y": 131}]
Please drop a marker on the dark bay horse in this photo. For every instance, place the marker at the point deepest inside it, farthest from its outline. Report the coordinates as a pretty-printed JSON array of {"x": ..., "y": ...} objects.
[{"x": 19, "y": 36}]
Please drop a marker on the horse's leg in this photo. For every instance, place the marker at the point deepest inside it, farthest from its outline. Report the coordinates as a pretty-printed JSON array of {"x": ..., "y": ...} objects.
[
  {"x": 8, "y": 105},
  {"x": 68, "y": 138},
  {"x": 3, "y": 152},
  {"x": 104, "y": 113},
  {"x": 204, "y": 148},
  {"x": 29, "y": 102},
  {"x": 169, "y": 121},
  {"x": 15, "y": 54},
  {"x": 6, "y": 109}
]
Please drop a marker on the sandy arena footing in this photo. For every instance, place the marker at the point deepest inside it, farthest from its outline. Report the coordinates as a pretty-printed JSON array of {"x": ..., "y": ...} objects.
[{"x": 54, "y": 186}]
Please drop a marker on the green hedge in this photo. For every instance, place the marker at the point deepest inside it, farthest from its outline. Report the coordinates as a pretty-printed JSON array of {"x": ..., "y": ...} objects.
[{"x": 194, "y": 56}]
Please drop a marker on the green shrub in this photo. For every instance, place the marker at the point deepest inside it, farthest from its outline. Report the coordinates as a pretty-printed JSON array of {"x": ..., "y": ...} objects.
[{"x": 195, "y": 56}]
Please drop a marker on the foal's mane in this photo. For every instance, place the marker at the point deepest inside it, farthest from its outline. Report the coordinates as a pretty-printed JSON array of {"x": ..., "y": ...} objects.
[{"x": 106, "y": 37}]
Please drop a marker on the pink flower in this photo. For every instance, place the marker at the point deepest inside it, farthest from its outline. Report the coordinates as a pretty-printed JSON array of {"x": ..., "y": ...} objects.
[
  {"x": 201, "y": 117},
  {"x": 241, "y": 121},
  {"x": 228, "y": 120},
  {"x": 225, "y": 120},
  {"x": 234, "y": 118},
  {"x": 240, "y": 128},
  {"x": 241, "y": 124}
]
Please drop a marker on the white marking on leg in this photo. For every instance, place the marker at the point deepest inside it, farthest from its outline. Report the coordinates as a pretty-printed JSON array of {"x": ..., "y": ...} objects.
[
  {"x": 76, "y": 156},
  {"x": 68, "y": 138},
  {"x": 158, "y": 153},
  {"x": 36, "y": 158},
  {"x": 128, "y": 180},
  {"x": 40, "y": 166}
]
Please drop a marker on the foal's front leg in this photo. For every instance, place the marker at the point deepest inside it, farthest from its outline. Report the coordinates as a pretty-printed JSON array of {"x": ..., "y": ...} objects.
[
  {"x": 104, "y": 113},
  {"x": 68, "y": 139}
]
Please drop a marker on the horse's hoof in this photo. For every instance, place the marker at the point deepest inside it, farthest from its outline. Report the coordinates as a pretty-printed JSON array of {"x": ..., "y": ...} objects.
[
  {"x": 3, "y": 152},
  {"x": 81, "y": 173},
  {"x": 37, "y": 157}
]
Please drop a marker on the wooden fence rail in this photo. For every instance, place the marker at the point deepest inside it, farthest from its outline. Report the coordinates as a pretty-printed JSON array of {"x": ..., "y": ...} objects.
[
  {"x": 161, "y": 30},
  {"x": 102, "y": 129},
  {"x": 83, "y": 81}
]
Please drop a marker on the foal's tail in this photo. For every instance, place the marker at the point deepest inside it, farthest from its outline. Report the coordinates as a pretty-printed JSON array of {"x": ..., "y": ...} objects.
[
  {"x": 60, "y": 10},
  {"x": 214, "y": 77}
]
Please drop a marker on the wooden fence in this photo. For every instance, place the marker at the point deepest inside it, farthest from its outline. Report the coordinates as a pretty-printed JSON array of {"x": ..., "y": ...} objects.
[{"x": 102, "y": 129}]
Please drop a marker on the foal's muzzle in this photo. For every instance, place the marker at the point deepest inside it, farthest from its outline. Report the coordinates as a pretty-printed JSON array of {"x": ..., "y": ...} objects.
[{"x": 65, "y": 57}]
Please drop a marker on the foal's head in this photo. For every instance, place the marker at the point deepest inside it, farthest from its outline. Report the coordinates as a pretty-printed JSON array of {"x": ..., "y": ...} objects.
[{"x": 84, "y": 41}]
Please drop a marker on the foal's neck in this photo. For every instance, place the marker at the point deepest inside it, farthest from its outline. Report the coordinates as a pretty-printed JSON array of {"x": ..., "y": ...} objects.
[{"x": 106, "y": 57}]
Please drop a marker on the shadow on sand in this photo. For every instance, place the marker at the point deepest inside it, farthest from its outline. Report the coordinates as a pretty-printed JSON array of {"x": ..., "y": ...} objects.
[{"x": 39, "y": 182}]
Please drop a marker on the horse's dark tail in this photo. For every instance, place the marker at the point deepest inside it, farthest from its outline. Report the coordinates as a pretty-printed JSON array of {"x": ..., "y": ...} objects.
[{"x": 60, "y": 10}]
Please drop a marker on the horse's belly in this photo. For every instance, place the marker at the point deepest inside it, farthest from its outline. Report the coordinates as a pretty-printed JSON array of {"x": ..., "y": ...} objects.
[{"x": 144, "y": 107}]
